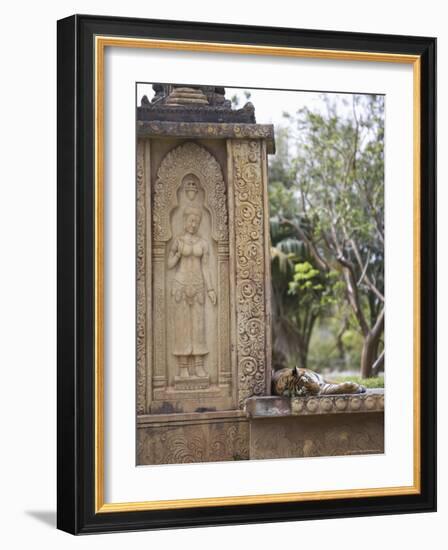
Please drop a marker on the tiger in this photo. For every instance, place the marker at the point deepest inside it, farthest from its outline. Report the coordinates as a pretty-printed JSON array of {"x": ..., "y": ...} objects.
[{"x": 298, "y": 382}]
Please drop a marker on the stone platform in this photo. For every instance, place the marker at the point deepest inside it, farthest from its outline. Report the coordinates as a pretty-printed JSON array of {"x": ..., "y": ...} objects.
[
  {"x": 270, "y": 427},
  {"x": 282, "y": 427}
]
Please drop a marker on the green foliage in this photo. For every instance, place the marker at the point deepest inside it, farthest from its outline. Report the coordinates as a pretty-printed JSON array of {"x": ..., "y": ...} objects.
[
  {"x": 326, "y": 198},
  {"x": 310, "y": 283},
  {"x": 351, "y": 339},
  {"x": 374, "y": 382}
]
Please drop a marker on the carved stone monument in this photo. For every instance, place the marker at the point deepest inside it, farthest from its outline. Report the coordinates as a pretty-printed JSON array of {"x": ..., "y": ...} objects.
[
  {"x": 203, "y": 274},
  {"x": 203, "y": 297}
]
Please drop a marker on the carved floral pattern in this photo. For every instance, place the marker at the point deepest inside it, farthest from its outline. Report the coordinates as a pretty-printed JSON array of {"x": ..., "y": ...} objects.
[
  {"x": 141, "y": 286},
  {"x": 250, "y": 291},
  {"x": 190, "y": 443}
]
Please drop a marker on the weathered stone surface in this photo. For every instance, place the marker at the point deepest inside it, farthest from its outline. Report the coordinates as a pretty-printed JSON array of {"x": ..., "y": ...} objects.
[
  {"x": 192, "y": 103},
  {"x": 269, "y": 406},
  {"x": 203, "y": 298},
  {"x": 193, "y": 112},
  {"x": 317, "y": 435},
  {"x": 190, "y": 281},
  {"x": 196, "y": 437},
  {"x": 203, "y": 279},
  {"x": 205, "y": 130},
  {"x": 252, "y": 268},
  {"x": 282, "y": 427}
]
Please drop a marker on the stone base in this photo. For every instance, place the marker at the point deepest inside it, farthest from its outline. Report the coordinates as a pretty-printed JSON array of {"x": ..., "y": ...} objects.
[
  {"x": 281, "y": 427},
  {"x": 271, "y": 427},
  {"x": 317, "y": 436},
  {"x": 194, "y": 437}
]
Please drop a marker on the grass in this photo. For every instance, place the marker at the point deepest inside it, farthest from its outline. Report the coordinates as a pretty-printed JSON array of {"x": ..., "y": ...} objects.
[{"x": 377, "y": 382}]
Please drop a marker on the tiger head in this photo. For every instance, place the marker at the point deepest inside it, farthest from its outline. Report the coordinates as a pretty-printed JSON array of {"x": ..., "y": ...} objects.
[{"x": 305, "y": 380}]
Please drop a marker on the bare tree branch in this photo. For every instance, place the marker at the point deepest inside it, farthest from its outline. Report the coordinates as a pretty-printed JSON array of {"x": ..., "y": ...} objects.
[
  {"x": 378, "y": 327},
  {"x": 368, "y": 282},
  {"x": 379, "y": 362}
]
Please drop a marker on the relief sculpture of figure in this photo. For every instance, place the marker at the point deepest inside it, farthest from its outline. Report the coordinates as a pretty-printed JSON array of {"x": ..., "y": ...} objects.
[{"x": 189, "y": 256}]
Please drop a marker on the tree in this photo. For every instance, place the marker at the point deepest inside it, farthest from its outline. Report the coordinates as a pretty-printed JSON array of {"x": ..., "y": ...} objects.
[
  {"x": 338, "y": 179},
  {"x": 300, "y": 293}
]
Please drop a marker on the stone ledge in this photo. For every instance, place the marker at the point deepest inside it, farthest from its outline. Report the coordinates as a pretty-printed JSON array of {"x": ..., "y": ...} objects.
[
  {"x": 210, "y": 130},
  {"x": 275, "y": 406},
  {"x": 152, "y": 420}
]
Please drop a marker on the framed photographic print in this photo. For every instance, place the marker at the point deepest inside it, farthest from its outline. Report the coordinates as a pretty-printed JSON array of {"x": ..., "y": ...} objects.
[{"x": 236, "y": 207}]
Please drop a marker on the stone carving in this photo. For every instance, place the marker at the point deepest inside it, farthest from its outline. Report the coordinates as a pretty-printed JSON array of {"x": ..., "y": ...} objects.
[
  {"x": 214, "y": 96},
  {"x": 192, "y": 103},
  {"x": 203, "y": 332},
  {"x": 189, "y": 255},
  {"x": 189, "y": 159},
  {"x": 203, "y": 296},
  {"x": 262, "y": 407},
  {"x": 182, "y": 95},
  {"x": 249, "y": 253},
  {"x": 186, "y": 443},
  {"x": 317, "y": 436},
  {"x": 141, "y": 286},
  {"x": 207, "y": 130}
]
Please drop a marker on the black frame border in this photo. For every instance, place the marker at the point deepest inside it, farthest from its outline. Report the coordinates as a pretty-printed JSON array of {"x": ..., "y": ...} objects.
[{"x": 75, "y": 272}]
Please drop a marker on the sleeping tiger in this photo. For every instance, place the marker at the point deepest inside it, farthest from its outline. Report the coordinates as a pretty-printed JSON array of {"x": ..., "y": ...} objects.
[{"x": 298, "y": 382}]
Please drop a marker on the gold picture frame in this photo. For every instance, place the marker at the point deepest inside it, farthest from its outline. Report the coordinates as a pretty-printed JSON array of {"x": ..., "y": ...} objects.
[{"x": 96, "y": 36}]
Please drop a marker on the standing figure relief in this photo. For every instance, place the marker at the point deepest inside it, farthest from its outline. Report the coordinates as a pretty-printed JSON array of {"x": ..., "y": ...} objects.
[{"x": 189, "y": 257}]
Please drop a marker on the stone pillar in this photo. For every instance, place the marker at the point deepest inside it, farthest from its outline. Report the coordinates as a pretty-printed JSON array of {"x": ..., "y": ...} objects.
[
  {"x": 203, "y": 259},
  {"x": 251, "y": 260}
]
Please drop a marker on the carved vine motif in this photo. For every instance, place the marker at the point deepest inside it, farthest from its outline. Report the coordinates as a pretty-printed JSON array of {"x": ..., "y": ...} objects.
[
  {"x": 189, "y": 158},
  {"x": 248, "y": 184},
  {"x": 141, "y": 286},
  {"x": 189, "y": 444}
]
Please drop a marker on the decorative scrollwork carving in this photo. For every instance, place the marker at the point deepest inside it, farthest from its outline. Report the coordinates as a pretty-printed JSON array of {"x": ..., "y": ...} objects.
[
  {"x": 212, "y": 442},
  {"x": 141, "y": 285},
  {"x": 189, "y": 158},
  {"x": 251, "y": 333}
]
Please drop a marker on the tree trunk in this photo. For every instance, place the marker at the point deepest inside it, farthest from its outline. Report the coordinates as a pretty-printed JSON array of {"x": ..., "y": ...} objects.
[
  {"x": 340, "y": 344},
  {"x": 368, "y": 355},
  {"x": 370, "y": 347},
  {"x": 378, "y": 365},
  {"x": 341, "y": 351}
]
